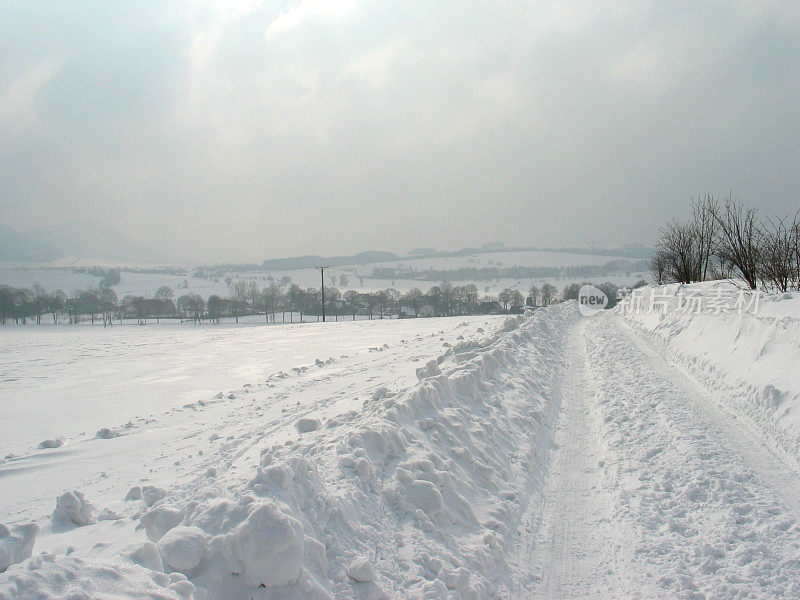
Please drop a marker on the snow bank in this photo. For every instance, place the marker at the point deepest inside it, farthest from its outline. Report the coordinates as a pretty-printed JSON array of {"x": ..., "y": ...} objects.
[
  {"x": 749, "y": 360},
  {"x": 417, "y": 494}
]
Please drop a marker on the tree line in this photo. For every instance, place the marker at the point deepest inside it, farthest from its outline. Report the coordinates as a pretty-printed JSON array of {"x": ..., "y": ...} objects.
[
  {"x": 729, "y": 240},
  {"x": 279, "y": 301}
]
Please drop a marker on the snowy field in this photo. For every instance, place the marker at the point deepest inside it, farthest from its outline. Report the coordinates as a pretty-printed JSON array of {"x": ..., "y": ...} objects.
[
  {"x": 628, "y": 455},
  {"x": 358, "y": 275}
]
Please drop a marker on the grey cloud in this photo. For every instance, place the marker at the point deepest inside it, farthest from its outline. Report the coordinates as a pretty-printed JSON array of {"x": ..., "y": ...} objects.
[{"x": 395, "y": 125}]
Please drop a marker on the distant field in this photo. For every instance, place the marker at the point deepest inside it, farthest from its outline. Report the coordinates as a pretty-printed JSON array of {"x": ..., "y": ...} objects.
[{"x": 358, "y": 275}]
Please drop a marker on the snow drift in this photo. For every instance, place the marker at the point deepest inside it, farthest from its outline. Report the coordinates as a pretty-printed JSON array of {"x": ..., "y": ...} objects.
[
  {"x": 415, "y": 495},
  {"x": 747, "y": 358}
]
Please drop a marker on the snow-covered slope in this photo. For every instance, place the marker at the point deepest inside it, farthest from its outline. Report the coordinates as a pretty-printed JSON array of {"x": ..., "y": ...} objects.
[{"x": 748, "y": 355}]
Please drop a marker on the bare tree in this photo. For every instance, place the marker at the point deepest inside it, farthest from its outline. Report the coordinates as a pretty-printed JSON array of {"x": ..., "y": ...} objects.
[
  {"x": 6, "y": 302},
  {"x": 272, "y": 294},
  {"x": 679, "y": 245},
  {"x": 192, "y": 305},
  {"x": 779, "y": 260},
  {"x": 533, "y": 293},
  {"x": 39, "y": 300},
  {"x": 107, "y": 299},
  {"x": 571, "y": 291},
  {"x": 505, "y": 297},
  {"x": 55, "y": 303},
  {"x": 164, "y": 293},
  {"x": 658, "y": 267},
  {"x": 413, "y": 298},
  {"x": 352, "y": 297},
  {"x": 705, "y": 229},
  {"x": 738, "y": 243},
  {"x": 239, "y": 293},
  {"x": 254, "y": 296},
  {"x": 517, "y": 299},
  {"x": 548, "y": 294}
]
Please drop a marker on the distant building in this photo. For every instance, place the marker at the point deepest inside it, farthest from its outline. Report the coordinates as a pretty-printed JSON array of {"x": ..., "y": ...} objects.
[{"x": 490, "y": 307}]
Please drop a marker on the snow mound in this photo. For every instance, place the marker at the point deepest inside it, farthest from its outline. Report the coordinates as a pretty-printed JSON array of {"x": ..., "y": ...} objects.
[
  {"x": 107, "y": 433},
  {"x": 16, "y": 544},
  {"x": 431, "y": 369},
  {"x": 268, "y": 545},
  {"x": 158, "y": 521},
  {"x": 427, "y": 479},
  {"x": 73, "y": 507},
  {"x": 51, "y": 577}
]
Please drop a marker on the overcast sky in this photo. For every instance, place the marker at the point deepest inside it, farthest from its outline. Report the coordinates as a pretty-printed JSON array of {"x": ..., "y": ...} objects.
[{"x": 247, "y": 130}]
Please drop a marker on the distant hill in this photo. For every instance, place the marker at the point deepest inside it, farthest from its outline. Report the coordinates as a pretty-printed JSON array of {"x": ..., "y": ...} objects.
[
  {"x": 632, "y": 251},
  {"x": 90, "y": 239},
  {"x": 310, "y": 260},
  {"x": 18, "y": 247}
]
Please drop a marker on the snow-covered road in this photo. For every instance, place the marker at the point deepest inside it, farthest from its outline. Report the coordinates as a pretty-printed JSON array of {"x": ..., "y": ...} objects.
[
  {"x": 552, "y": 456},
  {"x": 654, "y": 490}
]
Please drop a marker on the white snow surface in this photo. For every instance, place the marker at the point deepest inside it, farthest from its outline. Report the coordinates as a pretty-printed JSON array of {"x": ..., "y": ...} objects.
[
  {"x": 553, "y": 456},
  {"x": 750, "y": 361}
]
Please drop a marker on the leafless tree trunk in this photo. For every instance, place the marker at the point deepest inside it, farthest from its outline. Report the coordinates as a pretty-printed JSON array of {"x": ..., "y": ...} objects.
[{"x": 705, "y": 225}]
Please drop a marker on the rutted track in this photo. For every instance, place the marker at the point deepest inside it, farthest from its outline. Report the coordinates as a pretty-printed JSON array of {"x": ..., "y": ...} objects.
[{"x": 669, "y": 497}]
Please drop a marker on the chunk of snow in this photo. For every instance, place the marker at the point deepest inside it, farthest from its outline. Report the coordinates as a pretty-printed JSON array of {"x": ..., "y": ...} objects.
[
  {"x": 72, "y": 506},
  {"x": 431, "y": 369},
  {"x": 16, "y": 543},
  {"x": 305, "y": 425},
  {"x": 158, "y": 521},
  {"x": 380, "y": 392},
  {"x": 135, "y": 493},
  {"x": 361, "y": 570},
  {"x": 182, "y": 548},
  {"x": 152, "y": 494},
  {"x": 269, "y": 544},
  {"x": 106, "y": 433},
  {"x": 56, "y": 443},
  {"x": 425, "y": 496},
  {"x": 51, "y": 577},
  {"x": 147, "y": 555}
]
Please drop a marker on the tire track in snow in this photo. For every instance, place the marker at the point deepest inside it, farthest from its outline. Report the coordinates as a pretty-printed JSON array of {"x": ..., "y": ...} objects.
[
  {"x": 702, "y": 508},
  {"x": 776, "y": 470},
  {"x": 566, "y": 553}
]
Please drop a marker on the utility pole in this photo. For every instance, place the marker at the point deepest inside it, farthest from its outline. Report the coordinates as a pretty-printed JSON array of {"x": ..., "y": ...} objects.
[{"x": 322, "y": 278}]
